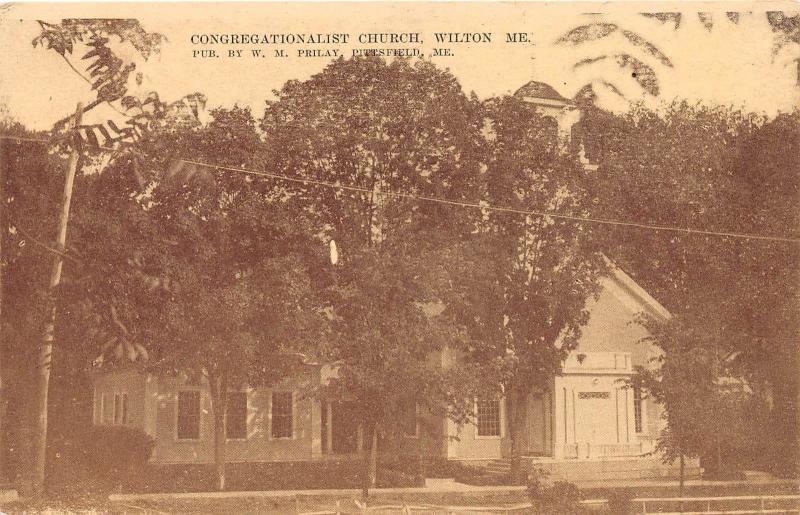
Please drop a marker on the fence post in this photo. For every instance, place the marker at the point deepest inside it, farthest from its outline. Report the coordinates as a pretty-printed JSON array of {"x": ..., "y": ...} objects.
[
  {"x": 644, "y": 508},
  {"x": 762, "y": 504}
]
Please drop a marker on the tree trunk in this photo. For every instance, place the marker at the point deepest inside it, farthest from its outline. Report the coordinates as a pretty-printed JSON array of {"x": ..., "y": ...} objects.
[
  {"x": 43, "y": 359},
  {"x": 3, "y": 232},
  {"x": 365, "y": 462},
  {"x": 719, "y": 454},
  {"x": 373, "y": 457},
  {"x": 218, "y": 385},
  {"x": 681, "y": 475},
  {"x": 517, "y": 421}
]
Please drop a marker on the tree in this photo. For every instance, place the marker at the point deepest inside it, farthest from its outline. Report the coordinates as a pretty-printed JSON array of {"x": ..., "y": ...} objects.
[
  {"x": 31, "y": 179},
  {"x": 711, "y": 168},
  {"x": 524, "y": 311},
  {"x": 702, "y": 402},
  {"x": 377, "y": 129},
  {"x": 223, "y": 264},
  {"x": 110, "y": 75}
]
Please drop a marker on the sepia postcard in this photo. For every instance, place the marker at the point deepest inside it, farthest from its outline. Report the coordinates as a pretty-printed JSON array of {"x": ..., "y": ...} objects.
[{"x": 400, "y": 257}]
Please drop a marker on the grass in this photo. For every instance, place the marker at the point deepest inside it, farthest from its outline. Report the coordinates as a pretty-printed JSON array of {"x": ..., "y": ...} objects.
[
  {"x": 252, "y": 505},
  {"x": 321, "y": 501}
]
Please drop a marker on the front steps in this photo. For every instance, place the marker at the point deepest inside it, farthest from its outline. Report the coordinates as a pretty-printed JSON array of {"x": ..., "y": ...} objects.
[
  {"x": 498, "y": 467},
  {"x": 645, "y": 467}
]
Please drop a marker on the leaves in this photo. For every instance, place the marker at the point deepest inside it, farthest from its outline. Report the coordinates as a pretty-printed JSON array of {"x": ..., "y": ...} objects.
[
  {"x": 105, "y": 71},
  {"x": 719, "y": 169},
  {"x": 666, "y": 17},
  {"x": 586, "y": 33},
  {"x": 648, "y": 47},
  {"x": 642, "y": 73},
  {"x": 404, "y": 127},
  {"x": 537, "y": 272}
]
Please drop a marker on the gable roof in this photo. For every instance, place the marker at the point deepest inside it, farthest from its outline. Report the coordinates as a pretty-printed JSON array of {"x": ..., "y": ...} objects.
[{"x": 649, "y": 304}]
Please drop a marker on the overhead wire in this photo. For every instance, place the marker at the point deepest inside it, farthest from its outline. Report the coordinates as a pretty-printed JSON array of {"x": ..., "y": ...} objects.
[
  {"x": 503, "y": 209},
  {"x": 473, "y": 205}
]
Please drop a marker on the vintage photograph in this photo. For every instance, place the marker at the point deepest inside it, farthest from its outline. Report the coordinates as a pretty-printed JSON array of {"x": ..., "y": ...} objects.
[{"x": 400, "y": 257}]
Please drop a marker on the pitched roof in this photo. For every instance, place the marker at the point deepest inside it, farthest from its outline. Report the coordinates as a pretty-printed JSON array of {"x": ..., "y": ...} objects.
[
  {"x": 649, "y": 304},
  {"x": 537, "y": 89}
]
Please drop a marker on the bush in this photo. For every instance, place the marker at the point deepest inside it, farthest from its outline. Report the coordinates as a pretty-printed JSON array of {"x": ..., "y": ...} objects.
[
  {"x": 620, "y": 502},
  {"x": 99, "y": 460},
  {"x": 559, "y": 498},
  {"x": 425, "y": 466},
  {"x": 279, "y": 475}
]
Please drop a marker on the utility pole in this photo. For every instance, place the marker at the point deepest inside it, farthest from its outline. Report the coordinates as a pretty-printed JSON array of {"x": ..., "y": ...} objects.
[
  {"x": 44, "y": 356},
  {"x": 3, "y": 232}
]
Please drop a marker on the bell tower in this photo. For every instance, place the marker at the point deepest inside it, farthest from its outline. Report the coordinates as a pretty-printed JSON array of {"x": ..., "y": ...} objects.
[{"x": 565, "y": 113}]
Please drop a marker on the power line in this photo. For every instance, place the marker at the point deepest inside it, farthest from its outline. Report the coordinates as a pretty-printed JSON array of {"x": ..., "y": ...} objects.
[
  {"x": 472, "y": 205},
  {"x": 56, "y": 140}
]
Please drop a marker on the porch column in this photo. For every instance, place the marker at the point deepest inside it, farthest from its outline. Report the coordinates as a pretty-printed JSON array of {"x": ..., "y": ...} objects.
[
  {"x": 316, "y": 428},
  {"x": 329, "y": 427}
]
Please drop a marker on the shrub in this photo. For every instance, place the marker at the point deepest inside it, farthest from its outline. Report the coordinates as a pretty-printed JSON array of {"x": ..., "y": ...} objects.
[
  {"x": 620, "y": 502},
  {"x": 278, "y": 475},
  {"x": 439, "y": 467},
  {"x": 98, "y": 460},
  {"x": 559, "y": 498}
]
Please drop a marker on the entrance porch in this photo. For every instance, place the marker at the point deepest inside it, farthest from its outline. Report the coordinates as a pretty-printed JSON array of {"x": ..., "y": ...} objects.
[{"x": 587, "y": 412}]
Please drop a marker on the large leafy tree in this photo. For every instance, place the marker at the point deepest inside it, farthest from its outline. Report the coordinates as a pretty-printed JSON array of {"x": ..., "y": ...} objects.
[
  {"x": 377, "y": 128},
  {"x": 208, "y": 271},
  {"x": 718, "y": 170},
  {"x": 32, "y": 178},
  {"x": 109, "y": 77},
  {"x": 524, "y": 311}
]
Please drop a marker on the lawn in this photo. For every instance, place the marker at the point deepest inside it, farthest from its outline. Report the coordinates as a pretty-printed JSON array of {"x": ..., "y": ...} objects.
[{"x": 320, "y": 502}]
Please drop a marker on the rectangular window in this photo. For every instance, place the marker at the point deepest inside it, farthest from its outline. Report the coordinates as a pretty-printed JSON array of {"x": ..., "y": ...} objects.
[
  {"x": 125, "y": 412},
  {"x": 98, "y": 415},
  {"x": 107, "y": 409},
  {"x": 117, "y": 409},
  {"x": 236, "y": 416},
  {"x": 637, "y": 409},
  {"x": 488, "y": 417},
  {"x": 409, "y": 422},
  {"x": 282, "y": 415},
  {"x": 188, "y": 415},
  {"x": 120, "y": 408}
]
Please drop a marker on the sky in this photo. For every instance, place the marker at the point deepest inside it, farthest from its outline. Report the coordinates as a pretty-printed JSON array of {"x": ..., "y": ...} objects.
[{"x": 730, "y": 64}]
